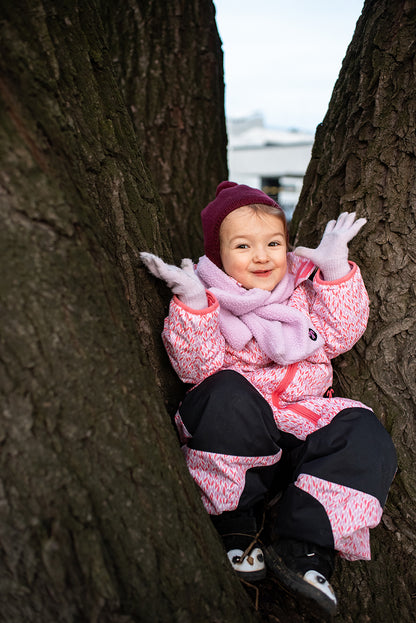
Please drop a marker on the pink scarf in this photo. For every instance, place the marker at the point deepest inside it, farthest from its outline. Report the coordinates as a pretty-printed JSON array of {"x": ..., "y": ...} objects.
[{"x": 284, "y": 333}]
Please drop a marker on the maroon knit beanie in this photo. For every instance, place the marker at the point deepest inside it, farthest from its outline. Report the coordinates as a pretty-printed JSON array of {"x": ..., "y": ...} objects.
[{"x": 229, "y": 197}]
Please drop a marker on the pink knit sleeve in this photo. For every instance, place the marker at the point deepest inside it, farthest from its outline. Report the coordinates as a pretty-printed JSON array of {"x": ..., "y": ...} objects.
[
  {"x": 340, "y": 310},
  {"x": 193, "y": 340}
]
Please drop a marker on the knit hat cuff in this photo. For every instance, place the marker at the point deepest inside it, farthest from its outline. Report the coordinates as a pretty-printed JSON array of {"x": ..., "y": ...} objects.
[{"x": 229, "y": 197}]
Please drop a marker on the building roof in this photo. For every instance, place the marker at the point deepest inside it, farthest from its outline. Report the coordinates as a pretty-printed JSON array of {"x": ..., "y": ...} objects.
[
  {"x": 255, "y": 150},
  {"x": 251, "y": 132}
]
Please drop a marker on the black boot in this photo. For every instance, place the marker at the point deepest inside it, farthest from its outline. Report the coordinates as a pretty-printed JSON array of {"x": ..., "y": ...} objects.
[
  {"x": 239, "y": 535},
  {"x": 304, "y": 569}
]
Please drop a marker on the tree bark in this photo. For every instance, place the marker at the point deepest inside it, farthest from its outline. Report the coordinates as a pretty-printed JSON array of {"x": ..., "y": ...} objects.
[
  {"x": 172, "y": 81},
  {"x": 99, "y": 518},
  {"x": 363, "y": 160}
]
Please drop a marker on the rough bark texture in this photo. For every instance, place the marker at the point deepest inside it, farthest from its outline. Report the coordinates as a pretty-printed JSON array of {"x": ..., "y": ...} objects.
[
  {"x": 173, "y": 84},
  {"x": 364, "y": 159},
  {"x": 99, "y": 519}
]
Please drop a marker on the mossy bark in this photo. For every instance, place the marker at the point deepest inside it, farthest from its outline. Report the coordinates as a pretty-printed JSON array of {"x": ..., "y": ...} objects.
[
  {"x": 99, "y": 518},
  {"x": 172, "y": 81},
  {"x": 364, "y": 160}
]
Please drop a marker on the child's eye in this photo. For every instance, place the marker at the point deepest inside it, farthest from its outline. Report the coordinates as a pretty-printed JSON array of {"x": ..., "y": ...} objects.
[
  {"x": 274, "y": 243},
  {"x": 242, "y": 246}
]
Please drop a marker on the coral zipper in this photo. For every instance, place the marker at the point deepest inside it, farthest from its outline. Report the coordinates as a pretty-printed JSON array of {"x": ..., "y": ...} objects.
[{"x": 284, "y": 383}]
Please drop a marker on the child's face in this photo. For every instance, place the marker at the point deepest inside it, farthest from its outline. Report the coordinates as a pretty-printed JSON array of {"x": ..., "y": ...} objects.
[{"x": 253, "y": 248}]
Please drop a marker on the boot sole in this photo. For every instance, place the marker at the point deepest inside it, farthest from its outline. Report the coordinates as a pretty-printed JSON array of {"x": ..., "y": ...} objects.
[
  {"x": 297, "y": 586},
  {"x": 251, "y": 576}
]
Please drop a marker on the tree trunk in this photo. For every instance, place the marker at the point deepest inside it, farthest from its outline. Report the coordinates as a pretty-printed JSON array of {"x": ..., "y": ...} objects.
[
  {"x": 172, "y": 81},
  {"x": 364, "y": 160},
  {"x": 99, "y": 518}
]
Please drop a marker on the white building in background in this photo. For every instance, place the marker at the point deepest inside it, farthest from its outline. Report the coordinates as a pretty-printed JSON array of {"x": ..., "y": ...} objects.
[{"x": 273, "y": 160}]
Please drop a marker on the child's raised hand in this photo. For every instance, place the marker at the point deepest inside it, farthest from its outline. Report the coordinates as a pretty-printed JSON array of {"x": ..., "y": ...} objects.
[
  {"x": 332, "y": 254},
  {"x": 182, "y": 281}
]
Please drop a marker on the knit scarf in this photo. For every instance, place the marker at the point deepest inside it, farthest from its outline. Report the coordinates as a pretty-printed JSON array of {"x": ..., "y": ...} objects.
[{"x": 284, "y": 333}]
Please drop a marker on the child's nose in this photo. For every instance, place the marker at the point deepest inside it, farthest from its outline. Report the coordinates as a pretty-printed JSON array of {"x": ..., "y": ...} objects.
[{"x": 260, "y": 255}]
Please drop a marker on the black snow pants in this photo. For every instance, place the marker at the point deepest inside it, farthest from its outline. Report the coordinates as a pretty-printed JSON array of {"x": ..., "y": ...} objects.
[{"x": 334, "y": 483}]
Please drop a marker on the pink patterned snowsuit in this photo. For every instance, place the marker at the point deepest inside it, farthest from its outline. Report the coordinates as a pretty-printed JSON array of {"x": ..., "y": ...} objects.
[{"x": 339, "y": 312}]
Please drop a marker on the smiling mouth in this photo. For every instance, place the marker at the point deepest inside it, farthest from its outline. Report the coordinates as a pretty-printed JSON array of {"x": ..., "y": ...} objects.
[{"x": 262, "y": 273}]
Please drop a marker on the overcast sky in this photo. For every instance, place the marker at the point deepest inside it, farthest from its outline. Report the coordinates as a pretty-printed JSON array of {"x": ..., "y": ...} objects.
[{"x": 282, "y": 58}]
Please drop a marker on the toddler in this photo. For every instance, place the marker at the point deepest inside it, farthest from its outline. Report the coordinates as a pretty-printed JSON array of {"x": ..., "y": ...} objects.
[{"x": 255, "y": 336}]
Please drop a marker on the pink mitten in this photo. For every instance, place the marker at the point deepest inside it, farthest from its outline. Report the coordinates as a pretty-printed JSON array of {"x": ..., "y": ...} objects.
[
  {"x": 332, "y": 254},
  {"x": 182, "y": 281}
]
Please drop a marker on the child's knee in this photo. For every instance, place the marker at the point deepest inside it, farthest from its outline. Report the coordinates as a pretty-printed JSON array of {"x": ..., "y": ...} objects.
[
  {"x": 371, "y": 436},
  {"x": 226, "y": 414}
]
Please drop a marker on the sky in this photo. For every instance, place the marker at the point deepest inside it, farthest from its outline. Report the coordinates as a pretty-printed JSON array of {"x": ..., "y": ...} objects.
[{"x": 282, "y": 59}]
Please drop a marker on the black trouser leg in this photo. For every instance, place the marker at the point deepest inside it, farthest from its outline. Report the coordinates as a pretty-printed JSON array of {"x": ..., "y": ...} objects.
[
  {"x": 353, "y": 451},
  {"x": 227, "y": 416}
]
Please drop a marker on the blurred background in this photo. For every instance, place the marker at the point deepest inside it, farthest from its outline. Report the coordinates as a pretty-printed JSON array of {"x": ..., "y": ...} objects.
[{"x": 281, "y": 62}]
